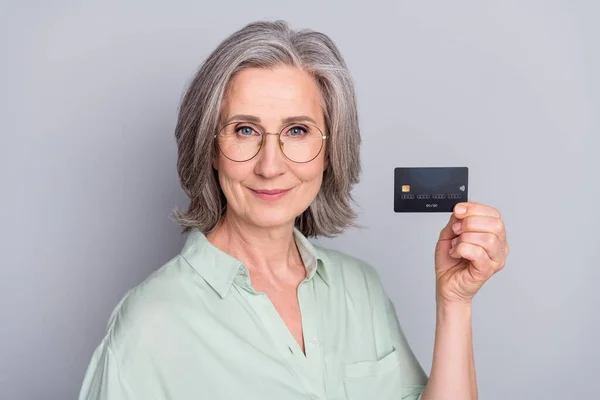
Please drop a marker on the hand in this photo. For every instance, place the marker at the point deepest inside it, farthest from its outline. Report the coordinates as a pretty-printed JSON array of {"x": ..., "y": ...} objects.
[{"x": 469, "y": 253}]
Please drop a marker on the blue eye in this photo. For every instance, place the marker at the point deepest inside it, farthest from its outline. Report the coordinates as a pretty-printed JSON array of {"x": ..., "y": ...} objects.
[
  {"x": 297, "y": 131},
  {"x": 245, "y": 130}
]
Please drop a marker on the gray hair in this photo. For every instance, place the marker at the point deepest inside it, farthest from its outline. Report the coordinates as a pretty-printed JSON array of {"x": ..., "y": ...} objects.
[{"x": 266, "y": 45}]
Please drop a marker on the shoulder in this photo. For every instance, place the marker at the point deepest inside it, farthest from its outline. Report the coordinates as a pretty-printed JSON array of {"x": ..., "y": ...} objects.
[
  {"x": 150, "y": 307},
  {"x": 143, "y": 332}
]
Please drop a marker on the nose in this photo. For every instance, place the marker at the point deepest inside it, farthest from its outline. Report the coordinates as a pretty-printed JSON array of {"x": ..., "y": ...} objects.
[{"x": 270, "y": 160}]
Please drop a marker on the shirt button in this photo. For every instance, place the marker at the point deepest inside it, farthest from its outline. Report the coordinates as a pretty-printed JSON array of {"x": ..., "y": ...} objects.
[{"x": 314, "y": 342}]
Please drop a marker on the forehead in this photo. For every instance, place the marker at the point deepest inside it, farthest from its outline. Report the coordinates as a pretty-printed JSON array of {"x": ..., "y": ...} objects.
[{"x": 273, "y": 94}]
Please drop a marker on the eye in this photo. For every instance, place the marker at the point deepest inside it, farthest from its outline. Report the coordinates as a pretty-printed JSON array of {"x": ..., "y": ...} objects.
[
  {"x": 297, "y": 131},
  {"x": 246, "y": 130}
]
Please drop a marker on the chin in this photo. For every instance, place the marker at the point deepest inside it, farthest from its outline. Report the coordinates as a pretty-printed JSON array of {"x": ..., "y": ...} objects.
[
  {"x": 271, "y": 220},
  {"x": 271, "y": 217}
]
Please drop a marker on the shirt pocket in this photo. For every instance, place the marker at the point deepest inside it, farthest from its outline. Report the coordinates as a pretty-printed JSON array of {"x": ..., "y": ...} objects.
[{"x": 379, "y": 379}]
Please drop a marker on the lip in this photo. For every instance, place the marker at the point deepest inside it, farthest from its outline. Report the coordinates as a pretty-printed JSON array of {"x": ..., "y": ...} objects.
[{"x": 269, "y": 194}]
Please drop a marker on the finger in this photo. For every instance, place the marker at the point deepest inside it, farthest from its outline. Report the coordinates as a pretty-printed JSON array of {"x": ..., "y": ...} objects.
[
  {"x": 481, "y": 224},
  {"x": 488, "y": 241},
  {"x": 463, "y": 210},
  {"x": 466, "y": 209},
  {"x": 484, "y": 267},
  {"x": 447, "y": 232}
]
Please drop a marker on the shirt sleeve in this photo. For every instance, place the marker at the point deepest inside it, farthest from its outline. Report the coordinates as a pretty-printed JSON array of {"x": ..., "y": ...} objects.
[
  {"x": 414, "y": 376},
  {"x": 103, "y": 380}
]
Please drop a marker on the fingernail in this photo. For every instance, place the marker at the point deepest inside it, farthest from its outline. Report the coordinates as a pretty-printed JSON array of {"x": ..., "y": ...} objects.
[
  {"x": 461, "y": 209},
  {"x": 456, "y": 227},
  {"x": 454, "y": 241}
]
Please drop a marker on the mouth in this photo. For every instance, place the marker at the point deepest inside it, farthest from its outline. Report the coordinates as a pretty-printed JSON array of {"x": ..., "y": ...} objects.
[{"x": 269, "y": 194}]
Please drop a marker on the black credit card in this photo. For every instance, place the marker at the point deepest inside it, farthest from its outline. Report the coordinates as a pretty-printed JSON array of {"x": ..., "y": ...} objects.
[{"x": 430, "y": 189}]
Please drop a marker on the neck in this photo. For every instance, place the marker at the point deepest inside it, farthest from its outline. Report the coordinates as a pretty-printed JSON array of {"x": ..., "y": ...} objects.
[{"x": 269, "y": 251}]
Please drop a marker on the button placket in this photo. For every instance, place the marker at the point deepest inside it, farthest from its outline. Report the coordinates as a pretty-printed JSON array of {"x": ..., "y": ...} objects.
[{"x": 314, "y": 358}]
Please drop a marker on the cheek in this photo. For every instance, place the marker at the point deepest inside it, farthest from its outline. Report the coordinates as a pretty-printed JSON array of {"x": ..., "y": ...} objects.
[
  {"x": 311, "y": 175},
  {"x": 231, "y": 174}
]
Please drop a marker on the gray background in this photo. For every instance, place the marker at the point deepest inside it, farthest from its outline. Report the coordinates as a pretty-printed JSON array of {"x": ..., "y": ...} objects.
[{"x": 88, "y": 101}]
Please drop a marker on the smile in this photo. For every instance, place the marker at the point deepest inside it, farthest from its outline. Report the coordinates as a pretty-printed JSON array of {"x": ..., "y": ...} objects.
[{"x": 270, "y": 194}]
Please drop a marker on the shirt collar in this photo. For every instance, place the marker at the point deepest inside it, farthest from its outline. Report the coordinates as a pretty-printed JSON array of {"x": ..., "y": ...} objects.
[
  {"x": 219, "y": 269},
  {"x": 312, "y": 258}
]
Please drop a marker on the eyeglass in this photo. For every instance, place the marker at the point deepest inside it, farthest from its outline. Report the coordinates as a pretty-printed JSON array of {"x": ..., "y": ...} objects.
[{"x": 242, "y": 141}]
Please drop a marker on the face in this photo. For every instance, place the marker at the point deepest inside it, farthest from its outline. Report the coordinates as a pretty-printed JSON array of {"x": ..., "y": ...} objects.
[{"x": 270, "y": 190}]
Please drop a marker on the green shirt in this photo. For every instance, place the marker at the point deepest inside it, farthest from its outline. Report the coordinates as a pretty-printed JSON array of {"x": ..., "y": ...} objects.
[{"x": 196, "y": 329}]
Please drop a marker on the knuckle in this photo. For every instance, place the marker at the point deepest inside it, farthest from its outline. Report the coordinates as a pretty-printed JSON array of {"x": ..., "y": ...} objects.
[
  {"x": 490, "y": 239},
  {"x": 499, "y": 225}
]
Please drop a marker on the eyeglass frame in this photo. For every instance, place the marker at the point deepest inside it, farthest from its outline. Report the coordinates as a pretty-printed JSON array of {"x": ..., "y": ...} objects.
[{"x": 263, "y": 137}]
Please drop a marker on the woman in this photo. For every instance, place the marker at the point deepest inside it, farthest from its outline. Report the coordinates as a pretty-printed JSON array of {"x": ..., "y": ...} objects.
[{"x": 268, "y": 143}]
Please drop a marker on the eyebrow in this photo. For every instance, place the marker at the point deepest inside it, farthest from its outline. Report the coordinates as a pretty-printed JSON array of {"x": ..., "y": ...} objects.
[{"x": 252, "y": 118}]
